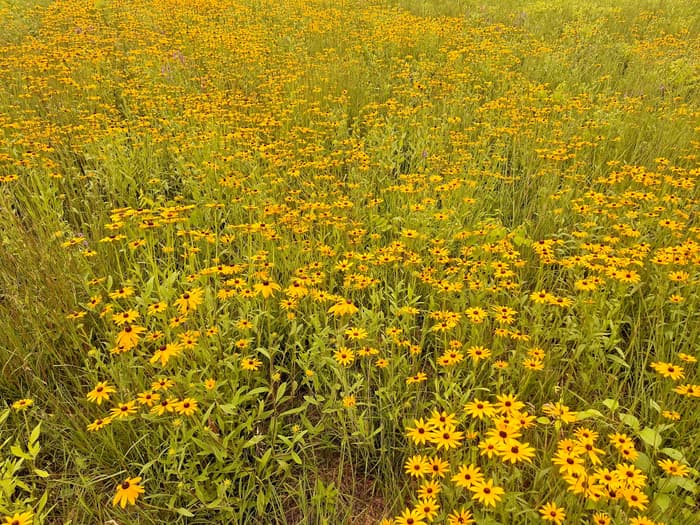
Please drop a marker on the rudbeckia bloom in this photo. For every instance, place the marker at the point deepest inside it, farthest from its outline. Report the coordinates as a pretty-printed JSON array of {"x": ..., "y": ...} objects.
[
  {"x": 100, "y": 392},
  {"x": 127, "y": 492},
  {"x": 25, "y": 518},
  {"x": 190, "y": 300},
  {"x": 550, "y": 512},
  {"x": 487, "y": 493}
]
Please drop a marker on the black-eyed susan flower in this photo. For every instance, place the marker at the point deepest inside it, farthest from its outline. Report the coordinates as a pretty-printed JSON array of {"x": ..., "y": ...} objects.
[
  {"x": 480, "y": 409},
  {"x": 467, "y": 476},
  {"x": 22, "y": 404},
  {"x": 429, "y": 489},
  {"x": 486, "y": 493},
  {"x": 514, "y": 451},
  {"x": 123, "y": 410},
  {"x": 344, "y": 356},
  {"x": 429, "y": 507},
  {"x": 250, "y": 363},
  {"x": 127, "y": 492},
  {"x": 101, "y": 392},
  {"x": 186, "y": 407},
  {"x": 410, "y": 517},
  {"x": 417, "y": 466},
  {"x": 420, "y": 432},
  {"x": 99, "y": 424},
  {"x": 19, "y": 518},
  {"x": 417, "y": 378},
  {"x": 343, "y": 307},
  {"x": 675, "y": 372},
  {"x": 600, "y": 518},
  {"x": 460, "y": 517},
  {"x": 446, "y": 436},
  {"x": 550, "y": 512},
  {"x": 673, "y": 468}
]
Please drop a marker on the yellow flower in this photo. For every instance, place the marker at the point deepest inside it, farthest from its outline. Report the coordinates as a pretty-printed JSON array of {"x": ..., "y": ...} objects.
[
  {"x": 99, "y": 424},
  {"x": 100, "y": 392},
  {"x": 127, "y": 492},
  {"x": 25, "y": 518},
  {"x": 417, "y": 466},
  {"x": 550, "y": 512},
  {"x": 148, "y": 398},
  {"x": 480, "y": 409},
  {"x": 675, "y": 372},
  {"x": 124, "y": 410},
  {"x": 356, "y": 333},
  {"x": 349, "y": 401},
  {"x": 460, "y": 517},
  {"x": 687, "y": 358},
  {"x": 129, "y": 337},
  {"x": 410, "y": 517},
  {"x": 417, "y": 378},
  {"x": 446, "y": 437},
  {"x": 157, "y": 308},
  {"x": 162, "y": 383},
  {"x": 429, "y": 507},
  {"x": 487, "y": 493},
  {"x": 673, "y": 468},
  {"x": 22, "y": 404},
  {"x": 190, "y": 300},
  {"x": 266, "y": 288},
  {"x": 467, "y": 476},
  {"x": 515, "y": 451},
  {"x": 128, "y": 316},
  {"x": 186, "y": 407},
  {"x": 478, "y": 352},
  {"x": 250, "y": 363},
  {"x": 344, "y": 307},
  {"x": 429, "y": 489},
  {"x": 420, "y": 433},
  {"x": 344, "y": 356},
  {"x": 600, "y": 518}
]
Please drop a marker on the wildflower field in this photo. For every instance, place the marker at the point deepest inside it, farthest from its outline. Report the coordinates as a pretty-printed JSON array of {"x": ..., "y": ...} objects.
[{"x": 397, "y": 262}]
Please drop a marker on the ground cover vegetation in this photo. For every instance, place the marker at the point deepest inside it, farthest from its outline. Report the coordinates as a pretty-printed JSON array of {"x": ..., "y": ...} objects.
[{"x": 392, "y": 262}]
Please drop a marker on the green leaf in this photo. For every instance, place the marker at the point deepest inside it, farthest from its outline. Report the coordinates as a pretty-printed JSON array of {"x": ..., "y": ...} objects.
[
  {"x": 651, "y": 437},
  {"x": 253, "y": 441},
  {"x": 42, "y": 503},
  {"x": 612, "y": 404},
  {"x": 34, "y": 436},
  {"x": 280, "y": 392},
  {"x": 662, "y": 501},
  {"x": 19, "y": 453},
  {"x": 587, "y": 414},
  {"x": 41, "y": 473},
  {"x": 684, "y": 483},
  {"x": 630, "y": 421},
  {"x": 673, "y": 454},
  {"x": 643, "y": 462},
  {"x": 261, "y": 502},
  {"x": 184, "y": 512},
  {"x": 265, "y": 459},
  {"x": 618, "y": 360}
]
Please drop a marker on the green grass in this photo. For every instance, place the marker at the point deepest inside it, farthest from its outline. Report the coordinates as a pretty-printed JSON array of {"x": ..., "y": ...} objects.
[{"x": 415, "y": 160}]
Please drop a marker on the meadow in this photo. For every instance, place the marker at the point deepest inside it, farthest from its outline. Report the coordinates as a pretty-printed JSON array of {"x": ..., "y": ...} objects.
[{"x": 391, "y": 262}]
